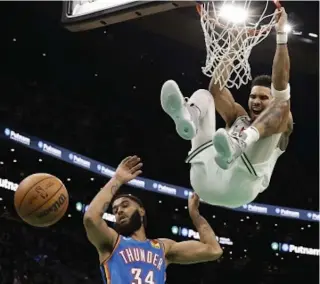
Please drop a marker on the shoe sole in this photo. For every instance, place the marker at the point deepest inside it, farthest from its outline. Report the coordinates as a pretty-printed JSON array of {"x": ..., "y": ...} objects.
[
  {"x": 224, "y": 153},
  {"x": 173, "y": 104}
]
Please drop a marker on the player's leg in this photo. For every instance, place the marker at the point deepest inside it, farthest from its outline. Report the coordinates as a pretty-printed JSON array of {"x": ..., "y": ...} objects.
[
  {"x": 194, "y": 118},
  {"x": 174, "y": 104},
  {"x": 206, "y": 127},
  {"x": 201, "y": 155}
]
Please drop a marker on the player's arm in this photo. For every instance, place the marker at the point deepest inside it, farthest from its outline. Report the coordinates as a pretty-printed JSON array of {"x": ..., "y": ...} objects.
[
  {"x": 189, "y": 252},
  {"x": 284, "y": 140},
  {"x": 98, "y": 232},
  {"x": 277, "y": 118},
  {"x": 281, "y": 61},
  {"x": 208, "y": 249},
  {"x": 224, "y": 102}
]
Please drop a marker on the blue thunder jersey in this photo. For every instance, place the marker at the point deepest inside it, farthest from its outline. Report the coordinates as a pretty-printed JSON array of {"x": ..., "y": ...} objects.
[{"x": 135, "y": 262}]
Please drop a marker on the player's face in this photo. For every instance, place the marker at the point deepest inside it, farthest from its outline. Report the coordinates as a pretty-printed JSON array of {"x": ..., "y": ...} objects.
[
  {"x": 259, "y": 99},
  {"x": 128, "y": 216}
]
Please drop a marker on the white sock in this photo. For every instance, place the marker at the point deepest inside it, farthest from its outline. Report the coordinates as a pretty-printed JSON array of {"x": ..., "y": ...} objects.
[
  {"x": 252, "y": 135},
  {"x": 195, "y": 114},
  {"x": 201, "y": 99}
]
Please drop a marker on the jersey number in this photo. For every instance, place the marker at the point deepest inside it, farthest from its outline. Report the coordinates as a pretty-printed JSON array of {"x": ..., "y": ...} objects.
[{"x": 136, "y": 272}]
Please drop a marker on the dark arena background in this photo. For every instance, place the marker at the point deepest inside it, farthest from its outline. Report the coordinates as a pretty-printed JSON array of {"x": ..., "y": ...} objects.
[{"x": 73, "y": 104}]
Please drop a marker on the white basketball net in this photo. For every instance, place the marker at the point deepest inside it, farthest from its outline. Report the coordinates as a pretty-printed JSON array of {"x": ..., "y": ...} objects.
[{"x": 229, "y": 41}]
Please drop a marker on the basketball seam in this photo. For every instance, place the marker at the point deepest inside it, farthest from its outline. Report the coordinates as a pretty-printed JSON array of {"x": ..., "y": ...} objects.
[
  {"x": 30, "y": 189},
  {"x": 43, "y": 203}
]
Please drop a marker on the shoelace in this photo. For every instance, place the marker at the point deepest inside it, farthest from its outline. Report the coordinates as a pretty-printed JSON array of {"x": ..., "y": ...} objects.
[
  {"x": 191, "y": 104},
  {"x": 190, "y": 107},
  {"x": 242, "y": 144}
]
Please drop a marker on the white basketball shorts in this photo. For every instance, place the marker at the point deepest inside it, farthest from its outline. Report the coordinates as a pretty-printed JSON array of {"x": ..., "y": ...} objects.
[{"x": 232, "y": 188}]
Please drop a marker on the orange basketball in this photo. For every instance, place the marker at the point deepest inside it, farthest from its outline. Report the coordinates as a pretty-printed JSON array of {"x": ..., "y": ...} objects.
[{"x": 41, "y": 200}]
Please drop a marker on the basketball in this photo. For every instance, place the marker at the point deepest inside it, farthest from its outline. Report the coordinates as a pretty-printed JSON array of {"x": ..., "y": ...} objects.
[{"x": 41, "y": 200}]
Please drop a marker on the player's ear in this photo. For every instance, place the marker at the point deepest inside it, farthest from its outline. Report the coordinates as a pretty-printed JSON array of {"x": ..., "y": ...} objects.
[{"x": 142, "y": 212}]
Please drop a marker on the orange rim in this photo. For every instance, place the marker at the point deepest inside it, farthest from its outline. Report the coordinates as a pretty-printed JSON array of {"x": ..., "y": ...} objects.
[
  {"x": 199, "y": 7},
  {"x": 251, "y": 31}
]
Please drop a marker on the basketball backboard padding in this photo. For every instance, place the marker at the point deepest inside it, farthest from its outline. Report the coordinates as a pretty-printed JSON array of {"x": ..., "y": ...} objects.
[{"x": 76, "y": 17}]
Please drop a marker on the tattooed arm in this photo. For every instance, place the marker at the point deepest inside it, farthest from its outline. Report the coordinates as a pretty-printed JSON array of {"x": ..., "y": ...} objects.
[
  {"x": 284, "y": 140},
  {"x": 277, "y": 118},
  {"x": 207, "y": 235},
  {"x": 98, "y": 232},
  {"x": 208, "y": 249}
]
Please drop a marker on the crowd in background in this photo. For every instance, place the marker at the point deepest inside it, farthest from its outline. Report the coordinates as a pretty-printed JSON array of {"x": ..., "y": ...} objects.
[{"x": 43, "y": 256}]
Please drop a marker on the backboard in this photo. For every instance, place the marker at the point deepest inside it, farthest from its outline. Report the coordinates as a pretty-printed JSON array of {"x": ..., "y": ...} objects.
[{"x": 91, "y": 14}]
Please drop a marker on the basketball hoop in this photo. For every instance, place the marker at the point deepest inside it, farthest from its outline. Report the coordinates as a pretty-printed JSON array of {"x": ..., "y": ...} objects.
[{"x": 229, "y": 40}]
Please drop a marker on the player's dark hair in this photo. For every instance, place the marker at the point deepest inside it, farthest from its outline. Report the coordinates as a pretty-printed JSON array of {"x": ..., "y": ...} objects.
[
  {"x": 135, "y": 199},
  {"x": 262, "y": 80}
]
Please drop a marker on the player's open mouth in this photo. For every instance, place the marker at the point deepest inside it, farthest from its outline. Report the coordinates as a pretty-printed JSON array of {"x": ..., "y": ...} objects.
[{"x": 256, "y": 112}]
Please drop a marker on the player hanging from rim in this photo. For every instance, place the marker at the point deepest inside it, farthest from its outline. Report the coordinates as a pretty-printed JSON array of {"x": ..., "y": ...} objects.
[
  {"x": 231, "y": 166},
  {"x": 125, "y": 253}
]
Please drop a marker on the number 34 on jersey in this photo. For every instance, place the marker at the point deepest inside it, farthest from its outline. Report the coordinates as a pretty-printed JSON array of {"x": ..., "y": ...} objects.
[{"x": 138, "y": 279}]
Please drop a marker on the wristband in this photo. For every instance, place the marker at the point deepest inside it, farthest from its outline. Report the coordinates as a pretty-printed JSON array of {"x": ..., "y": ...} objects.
[
  {"x": 282, "y": 38},
  {"x": 283, "y": 95}
]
